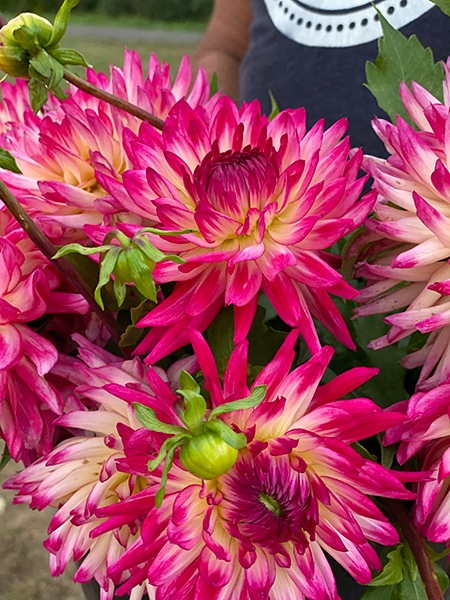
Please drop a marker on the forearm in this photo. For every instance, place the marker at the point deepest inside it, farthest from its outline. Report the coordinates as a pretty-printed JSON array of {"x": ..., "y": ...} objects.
[{"x": 226, "y": 67}]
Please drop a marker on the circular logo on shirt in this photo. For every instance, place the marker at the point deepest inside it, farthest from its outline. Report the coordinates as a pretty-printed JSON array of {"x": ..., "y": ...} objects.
[{"x": 340, "y": 23}]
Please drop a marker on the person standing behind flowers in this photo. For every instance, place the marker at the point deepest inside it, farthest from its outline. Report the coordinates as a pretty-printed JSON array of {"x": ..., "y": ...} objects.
[{"x": 312, "y": 53}]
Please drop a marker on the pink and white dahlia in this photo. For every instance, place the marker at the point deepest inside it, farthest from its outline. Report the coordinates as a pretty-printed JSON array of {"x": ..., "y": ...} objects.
[
  {"x": 264, "y": 198},
  {"x": 406, "y": 262},
  {"x": 427, "y": 433},
  {"x": 80, "y": 475},
  {"x": 56, "y": 150},
  {"x": 29, "y": 403},
  {"x": 297, "y": 488}
]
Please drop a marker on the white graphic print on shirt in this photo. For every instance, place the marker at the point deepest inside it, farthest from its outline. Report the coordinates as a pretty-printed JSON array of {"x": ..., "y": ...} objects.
[{"x": 340, "y": 23}]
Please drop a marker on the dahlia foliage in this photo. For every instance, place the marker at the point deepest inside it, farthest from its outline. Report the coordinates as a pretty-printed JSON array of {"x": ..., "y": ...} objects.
[{"x": 178, "y": 369}]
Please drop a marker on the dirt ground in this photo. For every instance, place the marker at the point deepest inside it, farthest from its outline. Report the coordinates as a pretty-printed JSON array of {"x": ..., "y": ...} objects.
[{"x": 24, "y": 570}]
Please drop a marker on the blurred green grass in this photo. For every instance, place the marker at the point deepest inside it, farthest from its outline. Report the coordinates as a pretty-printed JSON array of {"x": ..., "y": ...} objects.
[
  {"x": 100, "y": 53},
  {"x": 126, "y": 22}
]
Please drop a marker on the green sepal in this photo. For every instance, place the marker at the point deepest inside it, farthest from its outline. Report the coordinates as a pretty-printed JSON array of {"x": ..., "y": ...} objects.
[
  {"x": 214, "y": 85},
  {"x": 8, "y": 162},
  {"x": 62, "y": 21},
  {"x": 187, "y": 382},
  {"x": 167, "y": 466},
  {"x": 167, "y": 444},
  {"x": 233, "y": 439},
  {"x": 59, "y": 92},
  {"x": 163, "y": 232},
  {"x": 195, "y": 410},
  {"x": 141, "y": 275},
  {"x": 42, "y": 64},
  {"x": 38, "y": 95},
  {"x": 79, "y": 249},
  {"x": 120, "y": 290},
  {"x": 147, "y": 417},
  {"x": 67, "y": 56},
  {"x": 434, "y": 556},
  {"x": 256, "y": 397},
  {"x": 274, "y": 108},
  {"x": 27, "y": 38},
  {"x": 57, "y": 74},
  {"x": 106, "y": 268},
  {"x": 153, "y": 253}
]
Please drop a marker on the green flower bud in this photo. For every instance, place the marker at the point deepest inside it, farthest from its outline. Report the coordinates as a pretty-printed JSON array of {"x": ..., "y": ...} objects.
[
  {"x": 34, "y": 31},
  {"x": 207, "y": 456}
]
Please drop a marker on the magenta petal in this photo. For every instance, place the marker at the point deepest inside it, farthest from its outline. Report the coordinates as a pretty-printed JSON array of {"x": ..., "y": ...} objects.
[{"x": 243, "y": 283}]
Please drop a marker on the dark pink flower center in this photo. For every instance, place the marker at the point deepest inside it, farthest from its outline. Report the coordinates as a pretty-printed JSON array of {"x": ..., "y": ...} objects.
[
  {"x": 269, "y": 501},
  {"x": 236, "y": 175}
]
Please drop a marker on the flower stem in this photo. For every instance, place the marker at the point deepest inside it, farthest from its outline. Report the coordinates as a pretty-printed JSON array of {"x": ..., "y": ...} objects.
[
  {"x": 124, "y": 105},
  {"x": 64, "y": 267},
  {"x": 398, "y": 513}
]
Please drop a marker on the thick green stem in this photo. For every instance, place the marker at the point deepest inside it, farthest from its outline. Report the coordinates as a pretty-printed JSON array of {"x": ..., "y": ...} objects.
[
  {"x": 124, "y": 105},
  {"x": 63, "y": 266},
  {"x": 398, "y": 513}
]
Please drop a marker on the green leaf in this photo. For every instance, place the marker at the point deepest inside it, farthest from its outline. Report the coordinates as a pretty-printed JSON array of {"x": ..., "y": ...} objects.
[
  {"x": 132, "y": 334},
  {"x": 147, "y": 417},
  {"x": 387, "y": 453},
  {"x": 434, "y": 556},
  {"x": 444, "y": 5},
  {"x": 195, "y": 410},
  {"x": 214, "y": 85},
  {"x": 410, "y": 589},
  {"x": 106, "y": 268},
  {"x": 67, "y": 56},
  {"x": 264, "y": 342},
  {"x": 230, "y": 437},
  {"x": 220, "y": 335},
  {"x": 442, "y": 577},
  {"x": 57, "y": 74},
  {"x": 274, "y": 108},
  {"x": 62, "y": 21},
  {"x": 256, "y": 397},
  {"x": 187, "y": 382},
  {"x": 378, "y": 593},
  {"x": 363, "y": 452},
  {"x": 167, "y": 466},
  {"x": 59, "y": 92},
  {"x": 38, "y": 95},
  {"x": 393, "y": 571},
  {"x": 400, "y": 59},
  {"x": 6, "y": 457},
  {"x": 8, "y": 162}
]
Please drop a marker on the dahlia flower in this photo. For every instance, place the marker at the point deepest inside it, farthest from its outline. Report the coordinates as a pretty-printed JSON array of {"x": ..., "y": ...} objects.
[
  {"x": 55, "y": 151},
  {"x": 406, "y": 261},
  {"x": 265, "y": 199},
  {"x": 80, "y": 475},
  {"x": 297, "y": 489},
  {"x": 427, "y": 432},
  {"x": 28, "y": 402}
]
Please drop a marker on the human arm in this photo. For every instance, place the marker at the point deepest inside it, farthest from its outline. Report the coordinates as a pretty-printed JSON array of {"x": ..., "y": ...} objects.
[{"x": 225, "y": 43}]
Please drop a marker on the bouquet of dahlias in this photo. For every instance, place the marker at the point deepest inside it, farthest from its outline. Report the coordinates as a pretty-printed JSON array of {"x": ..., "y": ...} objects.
[{"x": 180, "y": 373}]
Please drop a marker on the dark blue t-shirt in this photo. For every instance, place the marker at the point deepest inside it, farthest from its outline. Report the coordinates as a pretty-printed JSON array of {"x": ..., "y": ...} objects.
[{"x": 328, "y": 81}]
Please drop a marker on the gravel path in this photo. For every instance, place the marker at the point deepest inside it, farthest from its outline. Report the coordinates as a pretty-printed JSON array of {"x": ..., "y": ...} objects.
[{"x": 137, "y": 35}]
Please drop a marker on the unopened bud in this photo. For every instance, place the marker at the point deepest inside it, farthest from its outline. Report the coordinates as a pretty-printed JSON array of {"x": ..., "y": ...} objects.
[
  {"x": 20, "y": 39},
  {"x": 207, "y": 456}
]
